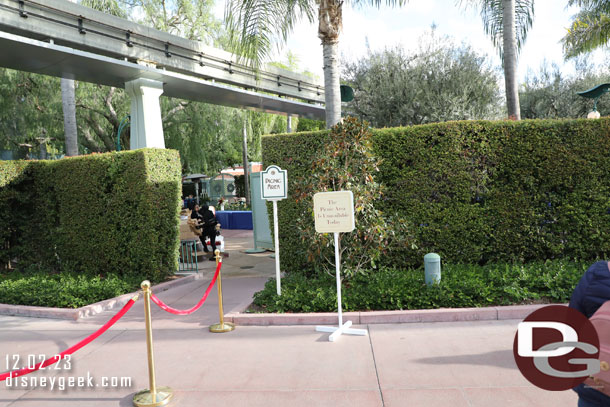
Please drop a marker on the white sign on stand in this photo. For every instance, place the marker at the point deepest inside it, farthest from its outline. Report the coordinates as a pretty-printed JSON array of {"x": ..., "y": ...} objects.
[
  {"x": 274, "y": 187},
  {"x": 334, "y": 212}
]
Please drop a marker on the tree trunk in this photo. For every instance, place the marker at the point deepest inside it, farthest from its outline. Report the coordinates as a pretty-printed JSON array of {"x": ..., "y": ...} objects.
[
  {"x": 332, "y": 93},
  {"x": 246, "y": 164},
  {"x": 329, "y": 26},
  {"x": 510, "y": 59},
  {"x": 68, "y": 100}
]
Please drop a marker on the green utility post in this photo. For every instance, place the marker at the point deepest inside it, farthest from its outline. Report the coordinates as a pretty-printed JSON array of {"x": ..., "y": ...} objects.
[{"x": 432, "y": 265}]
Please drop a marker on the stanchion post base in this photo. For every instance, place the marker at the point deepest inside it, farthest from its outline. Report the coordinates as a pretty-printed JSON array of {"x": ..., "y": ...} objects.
[
  {"x": 144, "y": 398},
  {"x": 337, "y": 331},
  {"x": 255, "y": 250},
  {"x": 219, "y": 328}
]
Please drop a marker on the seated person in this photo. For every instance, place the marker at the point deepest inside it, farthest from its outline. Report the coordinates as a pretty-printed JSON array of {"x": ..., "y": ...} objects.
[{"x": 195, "y": 213}]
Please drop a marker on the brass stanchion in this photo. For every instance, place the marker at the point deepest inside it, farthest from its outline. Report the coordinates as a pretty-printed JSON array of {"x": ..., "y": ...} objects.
[
  {"x": 154, "y": 396},
  {"x": 222, "y": 326}
]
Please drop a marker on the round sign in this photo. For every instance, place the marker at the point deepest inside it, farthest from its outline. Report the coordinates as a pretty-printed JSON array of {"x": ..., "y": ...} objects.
[{"x": 556, "y": 348}]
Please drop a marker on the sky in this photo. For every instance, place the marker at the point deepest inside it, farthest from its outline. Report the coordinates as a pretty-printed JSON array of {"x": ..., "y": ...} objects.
[{"x": 403, "y": 26}]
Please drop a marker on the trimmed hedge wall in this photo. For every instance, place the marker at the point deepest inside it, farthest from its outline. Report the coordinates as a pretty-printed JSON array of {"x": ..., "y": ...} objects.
[
  {"x": 478, "y": 191},
  {"x": 114, "y": 212}
]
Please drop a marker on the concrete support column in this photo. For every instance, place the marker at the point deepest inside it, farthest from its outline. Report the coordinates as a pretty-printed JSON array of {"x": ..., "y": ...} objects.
[{"x": 146, "y": 125}]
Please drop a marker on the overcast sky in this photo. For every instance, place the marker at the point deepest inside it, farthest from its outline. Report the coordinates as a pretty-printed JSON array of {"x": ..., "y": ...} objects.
[{"x": 388, "y": 27}]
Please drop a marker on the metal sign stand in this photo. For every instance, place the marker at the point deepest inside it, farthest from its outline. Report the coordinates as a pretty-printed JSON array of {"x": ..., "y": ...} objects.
[
  {"x": 334, "y": 213},
  {"x": 274, "y": 187},
  {"x": 276, "y": 238},
  {"x": 343, "y": 328}
]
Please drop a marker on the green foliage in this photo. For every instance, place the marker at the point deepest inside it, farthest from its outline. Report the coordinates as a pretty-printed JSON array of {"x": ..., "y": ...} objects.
[
  {"x": 549, "y": 94},
  {"x": 346, "y": 163},
  {"x": 65, "y": 289},
  {"x": 396, "y": 289},
  {"x": 439, "y": 82},
  {"x": 192, "y": 19},
  {"x": 475, "y": 191},
  {"x": 30, "y": 111},
  {"x": 237, "y": 206},
  {"x": 105, "y": 213},
  {"x": 590, "y": 28},
  {"x": 306, "y": 124},
  {"x": 240, "y": 186}
]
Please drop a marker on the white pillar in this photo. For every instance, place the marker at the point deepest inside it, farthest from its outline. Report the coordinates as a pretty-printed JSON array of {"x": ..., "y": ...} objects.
[{"x": 146, "y": 125}]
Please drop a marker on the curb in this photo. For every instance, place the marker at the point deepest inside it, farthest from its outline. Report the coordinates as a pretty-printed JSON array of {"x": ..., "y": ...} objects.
[
  {"x": 237, "y": 316},
  {"x": 88, "y": 310}
]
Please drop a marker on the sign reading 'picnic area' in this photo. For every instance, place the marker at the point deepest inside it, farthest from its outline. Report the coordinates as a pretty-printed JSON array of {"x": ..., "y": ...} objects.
[
  {"x": 273, "y": 188},
  {"x": 273, "y": 183}
]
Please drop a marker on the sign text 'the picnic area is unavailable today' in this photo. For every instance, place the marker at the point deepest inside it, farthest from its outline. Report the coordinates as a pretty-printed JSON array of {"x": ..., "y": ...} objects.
[{"x": 334, "y": 211}]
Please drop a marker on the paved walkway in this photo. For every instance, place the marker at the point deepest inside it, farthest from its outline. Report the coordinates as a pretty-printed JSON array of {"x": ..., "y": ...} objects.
[{"x": 466, "y": 364}]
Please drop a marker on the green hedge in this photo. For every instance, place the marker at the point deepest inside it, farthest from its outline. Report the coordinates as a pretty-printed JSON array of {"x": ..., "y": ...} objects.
[
  {"x": 114, "y": 212},
  {"x": 478, "y": 191},
  {"x": 293, "y": 152}
]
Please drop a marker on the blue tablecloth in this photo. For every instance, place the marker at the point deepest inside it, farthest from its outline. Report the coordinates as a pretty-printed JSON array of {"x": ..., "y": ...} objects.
[{"x": 235, "y": 219}]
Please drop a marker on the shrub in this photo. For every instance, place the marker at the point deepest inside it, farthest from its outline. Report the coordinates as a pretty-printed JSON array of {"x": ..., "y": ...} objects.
[
  {"x": 65, "y": 289},
  {"x": 346, "y": 163},
  {"x": 460, "y": 286},
  {"x": 98, "y": 214},
  {"x": 475, "y": 191}
]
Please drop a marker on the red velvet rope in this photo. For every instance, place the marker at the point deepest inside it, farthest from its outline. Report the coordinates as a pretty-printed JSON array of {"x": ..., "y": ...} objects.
[
  {"x": 175, "y": 311},
  {"x": 71, "y": 350}
]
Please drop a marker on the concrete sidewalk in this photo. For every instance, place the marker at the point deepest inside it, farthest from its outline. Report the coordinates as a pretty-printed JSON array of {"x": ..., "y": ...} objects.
[{"x": 416, "y": 364}]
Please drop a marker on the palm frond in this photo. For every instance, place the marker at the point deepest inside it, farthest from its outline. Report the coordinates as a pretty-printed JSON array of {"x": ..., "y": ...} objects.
[
  {"x": 255, "y": 26},
  {"x": 492, "y": 15},
  {"x": 589, "y": 30},
  {"x": 602, "y": 6}
]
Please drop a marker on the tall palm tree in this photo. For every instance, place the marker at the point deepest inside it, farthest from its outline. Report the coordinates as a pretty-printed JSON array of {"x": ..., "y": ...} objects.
[
  {"x": 68, "y": 96},
  {"x": 254, "y": 25},
  {"x": 68, "y": 101},
  {"x": 507, "y": 23},
  {"x": 590, "y": 28}
]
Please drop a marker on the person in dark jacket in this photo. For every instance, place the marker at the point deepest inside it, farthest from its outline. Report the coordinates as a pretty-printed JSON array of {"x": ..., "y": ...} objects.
[
  {"x": 592, "y": 291},
  {"x": 195, "y": 212},
  {"x": 208, "y": 222}
]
